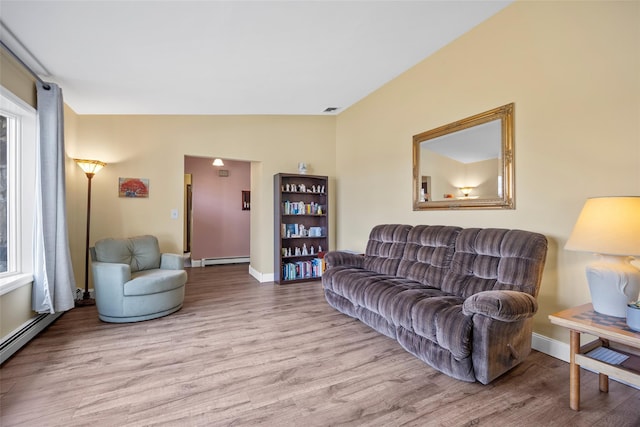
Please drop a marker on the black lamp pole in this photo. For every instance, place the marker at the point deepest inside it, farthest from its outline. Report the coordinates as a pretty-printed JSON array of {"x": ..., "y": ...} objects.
[{"x": 86, "y": 297}]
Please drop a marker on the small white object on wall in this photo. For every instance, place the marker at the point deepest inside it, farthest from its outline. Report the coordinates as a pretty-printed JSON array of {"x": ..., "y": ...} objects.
[{"x": 302, "y": 168}]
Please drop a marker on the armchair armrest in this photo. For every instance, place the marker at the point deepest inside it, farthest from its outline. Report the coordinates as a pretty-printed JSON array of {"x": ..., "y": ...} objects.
[
  {"x": 109, "y": 273},
  {"x": 108, "y": 284},
  {"x": 171, "y": 262},
  {"x": 506, "y": 306},
  {"x": 338, "y": 258}
]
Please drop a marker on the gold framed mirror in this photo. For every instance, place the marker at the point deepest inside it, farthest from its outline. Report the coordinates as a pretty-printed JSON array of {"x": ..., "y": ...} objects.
[{"x": 468, "y": 164}]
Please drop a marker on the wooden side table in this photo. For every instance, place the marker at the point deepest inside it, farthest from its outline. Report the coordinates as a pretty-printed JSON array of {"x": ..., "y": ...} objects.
[{"x": 612, "y": 332}]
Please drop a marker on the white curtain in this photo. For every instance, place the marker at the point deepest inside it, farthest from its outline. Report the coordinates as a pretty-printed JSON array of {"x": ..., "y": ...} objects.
[{"x": 54, "y": 282}]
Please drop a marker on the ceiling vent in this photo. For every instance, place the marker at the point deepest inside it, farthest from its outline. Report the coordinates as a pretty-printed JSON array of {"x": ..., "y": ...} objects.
[{"x": 330, "y": 109}]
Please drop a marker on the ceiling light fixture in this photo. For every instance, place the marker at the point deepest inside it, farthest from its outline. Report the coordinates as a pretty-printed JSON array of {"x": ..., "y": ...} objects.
[{"x": 217, "y": 162}]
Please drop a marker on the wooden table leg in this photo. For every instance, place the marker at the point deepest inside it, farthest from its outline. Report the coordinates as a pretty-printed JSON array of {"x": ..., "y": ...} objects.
[
  {"x": 604, "y": 383},
  {"x": 574, "y": 371}
]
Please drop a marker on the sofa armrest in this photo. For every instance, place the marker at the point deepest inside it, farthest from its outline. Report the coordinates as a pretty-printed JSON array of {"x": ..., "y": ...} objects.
[
  {"x": 172, "y": 262},
  {"x": 506, "y": 306},
  {"x": 338, "y": 258}
]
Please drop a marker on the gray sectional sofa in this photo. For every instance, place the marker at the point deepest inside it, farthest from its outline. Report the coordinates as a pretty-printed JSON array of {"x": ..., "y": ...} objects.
[{"x": 461, "y": 300}]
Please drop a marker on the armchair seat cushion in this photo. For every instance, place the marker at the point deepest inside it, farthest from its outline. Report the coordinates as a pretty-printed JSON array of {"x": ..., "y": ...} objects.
[{"x": 147, "y": 282}]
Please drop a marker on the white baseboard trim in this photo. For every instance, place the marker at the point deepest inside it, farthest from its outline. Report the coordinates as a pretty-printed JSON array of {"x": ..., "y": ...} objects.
[
  {"x": 553, "y": 348},
  {"x": 218, "y": 261},
  {"x": 24, "y": 333},
  {"x": 260, "y": 277}
]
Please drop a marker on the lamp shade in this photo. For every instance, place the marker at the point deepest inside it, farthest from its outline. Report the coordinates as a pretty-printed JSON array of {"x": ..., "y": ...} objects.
[
  {"x": 608, "y": 225},
  {"x": 90, "y": 166}
]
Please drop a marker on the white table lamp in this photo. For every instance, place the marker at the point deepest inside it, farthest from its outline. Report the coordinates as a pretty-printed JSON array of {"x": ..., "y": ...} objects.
[{"x": 610, "y": 228}]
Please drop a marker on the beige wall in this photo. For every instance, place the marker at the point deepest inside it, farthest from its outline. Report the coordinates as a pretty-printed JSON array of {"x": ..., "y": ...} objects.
[
  {"x": 15, "y": 306},
  {"x": 14, "y": 77},
  {"x": 482, "y": 176},
  {"x": 447, "y": 174},
  {"x": 15, "y": 310},
  {"x": 573, "y": 71},
  {"x": 154, "y": 147}
]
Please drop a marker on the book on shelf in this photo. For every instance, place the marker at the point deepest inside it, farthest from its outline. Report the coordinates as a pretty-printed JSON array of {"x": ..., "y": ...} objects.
[
  {"x": 310, "y": 269},
  {"x": 288, "y": 231},
  {"x": 301, "y": 208}
]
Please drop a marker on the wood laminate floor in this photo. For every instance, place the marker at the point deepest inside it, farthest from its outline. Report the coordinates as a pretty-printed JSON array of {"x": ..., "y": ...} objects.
[{"x": 243, "y": 353}]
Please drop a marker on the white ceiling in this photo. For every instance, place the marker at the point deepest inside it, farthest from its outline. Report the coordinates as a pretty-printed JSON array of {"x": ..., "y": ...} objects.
[{"x": 229, "y": 57}]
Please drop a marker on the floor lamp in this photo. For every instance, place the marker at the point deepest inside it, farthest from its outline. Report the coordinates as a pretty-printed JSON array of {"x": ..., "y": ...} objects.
[{"x": 90, "y": 168}]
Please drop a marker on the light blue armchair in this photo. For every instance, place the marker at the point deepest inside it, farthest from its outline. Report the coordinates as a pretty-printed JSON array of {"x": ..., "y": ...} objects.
[{"x": 133, "y": 281}]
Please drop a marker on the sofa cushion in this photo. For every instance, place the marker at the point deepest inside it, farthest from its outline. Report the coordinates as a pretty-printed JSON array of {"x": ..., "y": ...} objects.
[
  {"x": 398, "y": 309},
  {"x": 365, "y": 288},
  {"x": 346, "y": 281},
  {"x": 440, "y": 319},
  {"x": 520, "y": 267},
  {"x": 331, "y": 275},
  {"x": 385, "y": 248},
  {"x": 141, "y": 252},
  {"x": 495, "y": 259},
  {"x": 428, "y": 254},
  {"x": 381, "y": 291}
]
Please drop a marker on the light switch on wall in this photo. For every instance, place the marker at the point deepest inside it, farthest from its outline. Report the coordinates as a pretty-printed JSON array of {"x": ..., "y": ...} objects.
[{"x": 174, "y": 213}]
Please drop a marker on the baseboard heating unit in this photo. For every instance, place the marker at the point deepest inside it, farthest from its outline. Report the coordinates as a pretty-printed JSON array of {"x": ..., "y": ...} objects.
[
  {"x": 25, "y": 333},
  {"x": 217, "y": 261}
]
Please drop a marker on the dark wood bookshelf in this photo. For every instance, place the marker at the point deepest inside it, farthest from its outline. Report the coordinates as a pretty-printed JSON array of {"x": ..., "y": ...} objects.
[{"x": 307, "y": 212}]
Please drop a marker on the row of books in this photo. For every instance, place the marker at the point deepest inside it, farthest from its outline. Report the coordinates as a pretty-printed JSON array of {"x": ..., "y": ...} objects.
[
  {"x": 301, "y": 208},
  {"x": 299, "y": 230},
  {"x": 303, "y": 269}
]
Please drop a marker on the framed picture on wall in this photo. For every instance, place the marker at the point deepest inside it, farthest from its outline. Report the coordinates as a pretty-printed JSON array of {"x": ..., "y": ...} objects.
[{"x": 133, "y": 187}]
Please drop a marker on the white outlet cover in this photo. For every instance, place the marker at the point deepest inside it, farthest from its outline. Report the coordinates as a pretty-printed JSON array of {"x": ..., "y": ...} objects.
[{"x": 174, "y": 213}]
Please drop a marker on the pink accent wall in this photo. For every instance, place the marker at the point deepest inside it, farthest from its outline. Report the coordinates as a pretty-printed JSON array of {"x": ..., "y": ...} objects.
[{"x": 220, "y": 226}]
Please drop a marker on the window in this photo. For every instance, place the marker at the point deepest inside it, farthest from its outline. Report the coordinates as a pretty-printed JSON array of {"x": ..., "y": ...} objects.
[
  {"x": 4, "y": 122},
  {"x": 17, "y": 184}
]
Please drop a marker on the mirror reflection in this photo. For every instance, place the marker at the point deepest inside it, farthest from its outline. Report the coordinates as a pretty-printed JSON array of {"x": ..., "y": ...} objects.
[{"x": 466, "y": 164}]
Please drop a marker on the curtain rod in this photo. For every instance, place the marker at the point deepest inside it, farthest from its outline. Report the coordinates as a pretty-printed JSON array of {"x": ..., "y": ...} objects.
[{"x": 26, "y": 67}]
